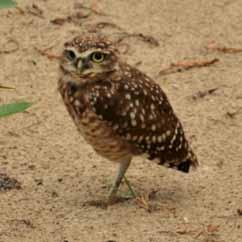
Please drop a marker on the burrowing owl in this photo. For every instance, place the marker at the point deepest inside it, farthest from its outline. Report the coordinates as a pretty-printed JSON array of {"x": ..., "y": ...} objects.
[{"x": 119, "y": 110}]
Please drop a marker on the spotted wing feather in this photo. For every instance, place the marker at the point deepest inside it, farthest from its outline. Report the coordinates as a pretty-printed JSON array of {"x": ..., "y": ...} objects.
[{"x": 139, "y": 111}]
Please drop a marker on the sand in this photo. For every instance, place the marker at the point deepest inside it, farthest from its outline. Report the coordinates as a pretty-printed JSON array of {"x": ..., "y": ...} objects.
[{"x": 59, "y": 173}]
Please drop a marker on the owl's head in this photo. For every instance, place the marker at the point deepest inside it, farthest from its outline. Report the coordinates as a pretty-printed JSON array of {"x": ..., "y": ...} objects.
[{"x": 89, "y": 56}]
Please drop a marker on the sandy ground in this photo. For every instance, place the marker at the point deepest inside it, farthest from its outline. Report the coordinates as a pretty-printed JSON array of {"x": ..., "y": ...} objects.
[{"x": 59, "y": 173}]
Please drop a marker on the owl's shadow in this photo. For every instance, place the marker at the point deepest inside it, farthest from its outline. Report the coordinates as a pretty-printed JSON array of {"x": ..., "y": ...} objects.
[{"x": 168, "y": 198}]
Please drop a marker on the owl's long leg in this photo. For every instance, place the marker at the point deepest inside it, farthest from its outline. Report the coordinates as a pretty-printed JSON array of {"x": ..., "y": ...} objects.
[
  {"x": 133, "y": 193},
  {"x": 123, "y": 166}
]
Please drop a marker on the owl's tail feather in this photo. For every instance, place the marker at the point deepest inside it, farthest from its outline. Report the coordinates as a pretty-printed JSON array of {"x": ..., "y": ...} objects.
[{"x": 191, "y": 160}]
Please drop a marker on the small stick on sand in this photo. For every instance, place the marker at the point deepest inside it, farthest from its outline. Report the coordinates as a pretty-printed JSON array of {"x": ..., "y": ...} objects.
[
  {"x": 202, "y": 94},
  {"x": 213, "y": 46},
  {"x": 187, "y": 65},
  {"x": 46, "y": 53},
  {"x": 145, "y": 38}
]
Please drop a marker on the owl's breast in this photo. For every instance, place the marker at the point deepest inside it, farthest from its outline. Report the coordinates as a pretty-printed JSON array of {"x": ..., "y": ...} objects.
[
  {"x": 102, "y": 138},
  {"x": 98, "y": 133},
  {"x": 74, "y": 98}
]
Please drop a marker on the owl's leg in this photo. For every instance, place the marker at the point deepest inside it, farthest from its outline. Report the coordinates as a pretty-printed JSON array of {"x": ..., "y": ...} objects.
[{"x": 123, "y": 166}]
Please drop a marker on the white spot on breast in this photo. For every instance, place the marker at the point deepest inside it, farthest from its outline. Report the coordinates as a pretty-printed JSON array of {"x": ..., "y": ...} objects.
[
  {"x": 77, "y": 103},
  {"x": 134, "y": 138},
  {"x": 128, "y": 136},
  {"x": 126, "y": 87},
  {"x": 140, "y": 138},
  {"x": 154, "y": 139},
  {"x": 161, "y": 148},
  {"x": 124, "y": 113},
  {"x": 132, "y": 115},
  {"x": 153, "y": 127},
  {"x": 142, "y": 117},
  {"x": 133, "y": 123},
  {"x": 150, "y": 117},
  {"x": 128, "y": 97},
  {"x": 168, "y": 132},
  {"x": 159, "y": 138},
  {"x": 173, "y": 138},
  {"x": 148, "y": 141},
  {"x": 128, "y": 74},
  {"x": 137, "y": 102},
  {"x": 115, "y": 127},
  {"x": 179, "y": 147},
  {"x": 125, "y": 125}
]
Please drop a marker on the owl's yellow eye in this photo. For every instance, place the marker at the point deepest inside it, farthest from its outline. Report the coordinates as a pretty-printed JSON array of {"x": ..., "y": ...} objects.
[{"x": 97, "y": 57}]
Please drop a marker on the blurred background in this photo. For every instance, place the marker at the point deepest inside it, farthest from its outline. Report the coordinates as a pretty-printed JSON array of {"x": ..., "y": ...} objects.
[{"x": 193, "y": 49}]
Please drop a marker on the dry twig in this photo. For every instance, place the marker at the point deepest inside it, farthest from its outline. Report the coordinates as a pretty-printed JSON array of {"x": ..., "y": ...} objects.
[
  {"x": 101, "y": 25},
  {"x": 202, "y": 94},
  {"x": 145, "y": 38},
  {"x": 187, "y": 65},
  {"x": 213, "y": 46},
  {"x": 46, "y": 53},
  {"x": 74, "y": 18},
  {"x": 142, "y": 202}
]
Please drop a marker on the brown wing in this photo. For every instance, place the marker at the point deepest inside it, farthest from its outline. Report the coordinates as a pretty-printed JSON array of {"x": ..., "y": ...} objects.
[{"x": 139, "y": 111}]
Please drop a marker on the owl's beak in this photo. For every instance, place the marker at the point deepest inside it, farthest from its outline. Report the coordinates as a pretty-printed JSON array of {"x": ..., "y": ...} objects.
[{"x": 83, "y": 64}]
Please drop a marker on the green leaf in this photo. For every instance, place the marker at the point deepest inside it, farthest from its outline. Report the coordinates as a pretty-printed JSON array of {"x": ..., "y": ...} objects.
[
  {"x": 11, "y": 108},
  {"x": 7, "y": 3}
]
